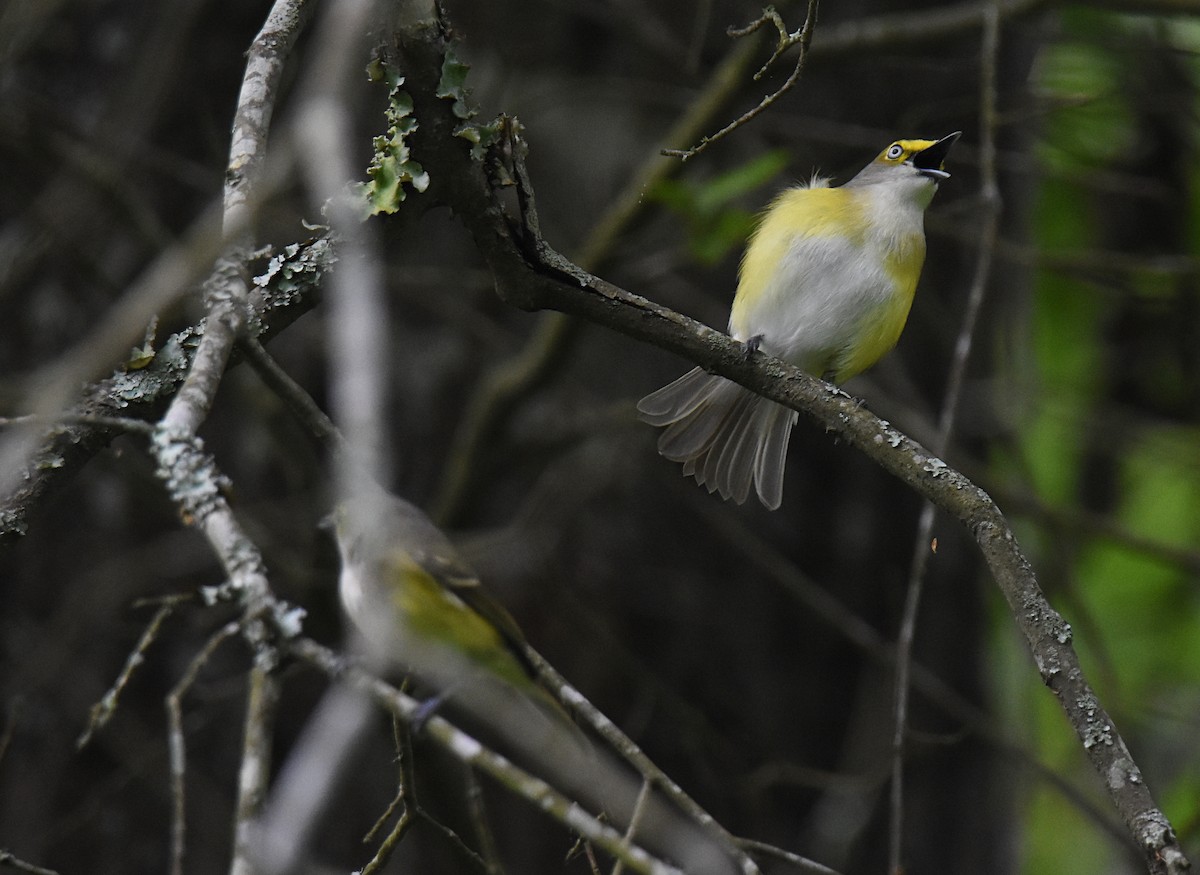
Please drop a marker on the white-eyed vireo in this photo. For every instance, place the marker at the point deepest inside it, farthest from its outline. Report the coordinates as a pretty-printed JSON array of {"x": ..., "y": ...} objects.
[
  {"x": 416, "y": 605},
  {"x": 826, "y": 284}
]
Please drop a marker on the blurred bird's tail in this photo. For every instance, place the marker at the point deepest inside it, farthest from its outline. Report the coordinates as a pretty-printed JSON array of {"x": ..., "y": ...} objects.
[{"x": 726, "y": 436}]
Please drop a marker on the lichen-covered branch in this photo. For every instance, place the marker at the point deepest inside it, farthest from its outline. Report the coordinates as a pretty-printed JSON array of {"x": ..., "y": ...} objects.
[{"x": 282, "y": 293}]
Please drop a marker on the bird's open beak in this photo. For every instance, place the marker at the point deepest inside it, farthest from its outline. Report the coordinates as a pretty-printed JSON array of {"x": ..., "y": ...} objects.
[{"x": 929, "y": 160}]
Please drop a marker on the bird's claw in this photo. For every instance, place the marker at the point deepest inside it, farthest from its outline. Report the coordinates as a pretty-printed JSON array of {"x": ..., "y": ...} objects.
[{"x": 750, "y": 347}]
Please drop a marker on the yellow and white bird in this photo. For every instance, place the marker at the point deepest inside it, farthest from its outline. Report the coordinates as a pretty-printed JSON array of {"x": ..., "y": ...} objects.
[{"x": 826, "y": 284}]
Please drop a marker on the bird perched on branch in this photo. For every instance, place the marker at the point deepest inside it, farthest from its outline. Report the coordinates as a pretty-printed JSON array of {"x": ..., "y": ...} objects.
[
  {"x": 826, "y": 284},
  {"x": 416, "y": 604}
]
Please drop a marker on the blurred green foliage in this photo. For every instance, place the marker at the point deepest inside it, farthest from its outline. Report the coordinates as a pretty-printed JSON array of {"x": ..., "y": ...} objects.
[
  {"x": 715, "y": 222},
  {"x": 1091, "y": 440}
]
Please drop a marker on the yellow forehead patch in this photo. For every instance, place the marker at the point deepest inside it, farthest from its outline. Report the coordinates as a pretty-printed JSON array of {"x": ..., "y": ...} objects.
[{"x": 901, "y": 150}]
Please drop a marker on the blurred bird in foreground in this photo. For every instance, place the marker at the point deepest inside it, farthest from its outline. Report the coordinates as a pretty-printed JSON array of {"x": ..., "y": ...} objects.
[
  {"x": 416, "y": 605},
  {"x": 826, "y": 285}
]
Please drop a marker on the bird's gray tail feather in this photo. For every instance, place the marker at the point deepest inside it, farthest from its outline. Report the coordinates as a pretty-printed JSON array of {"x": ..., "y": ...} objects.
[{"x": 726, "y": 436}]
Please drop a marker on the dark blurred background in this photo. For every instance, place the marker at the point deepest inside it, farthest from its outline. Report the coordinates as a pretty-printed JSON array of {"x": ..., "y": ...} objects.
[{"x": 729, "y": 641}]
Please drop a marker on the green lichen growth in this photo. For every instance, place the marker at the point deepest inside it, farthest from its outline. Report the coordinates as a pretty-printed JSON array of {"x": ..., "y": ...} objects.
[
  {"x": 453, "y": 84},
  {"x": 161, "y": 376},
  {"x": 393, "y": 169}
]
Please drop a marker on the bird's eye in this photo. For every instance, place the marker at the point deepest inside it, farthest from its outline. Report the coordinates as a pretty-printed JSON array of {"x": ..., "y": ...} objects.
[{"x": 895, "y": 151}]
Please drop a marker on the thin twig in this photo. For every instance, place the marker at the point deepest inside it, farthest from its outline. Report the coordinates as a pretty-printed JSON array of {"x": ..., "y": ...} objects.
[
  {"x": 639, "y": 811},
  {"x": 404, "y": 799},
  {"x": 990, "y": 202},
  {"x": 468, "y": 750},
  {"x": 177, "y": 745},
  {"x": 390, "y": 842},
  {"x": 403, "y": 759},
  {"x": 793, "y": 861},
  {"x": 629, "y": 751},
  {"x": 262, "y": 701},
  {"x": 63, "y": 421},
  {"x": 356, "y": 326},
  {"x": 14, "y": 862},
  {"x": 451, "y": 835},
  {"x": 103, "y": 710},
  {"x": 801, "y": 38},
  {"x": 303, "y": 407},
  {"x": 477, "y": 811}
]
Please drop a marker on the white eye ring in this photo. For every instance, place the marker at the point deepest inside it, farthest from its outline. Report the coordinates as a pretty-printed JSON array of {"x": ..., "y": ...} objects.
[{"x": 895, "y": 151}]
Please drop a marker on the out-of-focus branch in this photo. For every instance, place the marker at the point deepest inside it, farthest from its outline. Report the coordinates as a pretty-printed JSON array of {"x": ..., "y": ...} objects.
[
  {"x": 531, "y": 275},
  {"x": 286, "y": 291},
  {"x": 356, "y": 323},
  {"x": 254, "y": 774},
  {"x": 7, "y": 858},
  {"x": 30, "y": 462},
  {"x": 178, "y": 745},
  {"x": 469, "y": 751},
  {"x": 909, "y": 28},
  {"x": 989, "y": 200}
]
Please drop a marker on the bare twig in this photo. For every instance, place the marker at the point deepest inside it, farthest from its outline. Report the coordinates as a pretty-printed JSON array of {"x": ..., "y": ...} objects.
[
  {"x": 471, "y": 752},
  {"x": 456, "y": 841},
  {"x": 13, "y": 862},
  {"x": 639, "y": 809},
  {"x": 63, "y": 421},
  {"x": 356, "y": 323},
  {"x": 103, "y": 710},
  {"x": 801, "y": 38},
  {"x": 262, "y": 700},
  {"x": 302, "y": 405},
  {"x": 479, "y": 820},
  {"x": 793, "y": 861},
  {"x": 403, "y": 744},
  {"x": 178, "y": 747},
  {"x": 405, "y": 800},
  {"x": 384, "y": 852}
]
